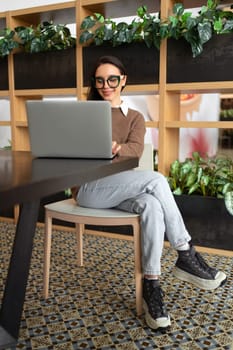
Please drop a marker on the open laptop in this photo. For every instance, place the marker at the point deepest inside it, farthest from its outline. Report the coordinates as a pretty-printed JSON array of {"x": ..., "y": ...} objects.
[{"x": 70, "y": 129}]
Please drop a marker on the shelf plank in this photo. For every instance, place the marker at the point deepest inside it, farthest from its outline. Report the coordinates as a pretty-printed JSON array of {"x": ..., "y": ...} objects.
[
  {"x": 4, "y": 93},
  {"x": 141, "y": 89},
  {"x": 5, "y": 123},
  {"x": 206, "y": 87},
  {"x": 47, "y": 92},
  {"x": 44, "y": 8},
  {"x": 21, "y": 124},
  {"x": 199, "y": 124},
  {"x": 151, "y": 124}
]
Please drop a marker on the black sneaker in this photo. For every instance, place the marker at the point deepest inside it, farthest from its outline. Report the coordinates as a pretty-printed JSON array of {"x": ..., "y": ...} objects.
[
  {"x": 191, "y": 267},
  {"x": 155, "y": 311}
]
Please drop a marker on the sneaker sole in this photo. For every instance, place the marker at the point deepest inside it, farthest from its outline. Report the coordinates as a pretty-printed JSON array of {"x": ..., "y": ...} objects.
[
  {"x": 160, "y": 323},
  {"x": 200, "y": 282}
]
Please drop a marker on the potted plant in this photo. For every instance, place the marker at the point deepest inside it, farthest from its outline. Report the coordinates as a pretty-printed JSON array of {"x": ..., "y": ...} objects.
[
  {"x": 47, "y": 59},
  {"x": 211, "y": 50},
  {"x": 203, "y": 190}
]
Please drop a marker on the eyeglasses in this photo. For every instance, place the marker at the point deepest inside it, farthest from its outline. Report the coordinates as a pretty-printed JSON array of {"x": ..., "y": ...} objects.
[{"x": 113, "y": 81}]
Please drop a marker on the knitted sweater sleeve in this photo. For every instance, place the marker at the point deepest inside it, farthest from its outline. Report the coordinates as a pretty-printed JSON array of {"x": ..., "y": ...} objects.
[{"x": 129, "y": 132}]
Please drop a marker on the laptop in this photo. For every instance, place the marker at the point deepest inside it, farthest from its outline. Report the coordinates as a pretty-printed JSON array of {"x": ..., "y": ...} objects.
[{"x": 70, "y": 129}]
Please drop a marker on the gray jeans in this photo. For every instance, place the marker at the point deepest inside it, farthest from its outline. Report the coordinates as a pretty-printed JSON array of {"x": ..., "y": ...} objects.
[{"x": 146, "y": 193}]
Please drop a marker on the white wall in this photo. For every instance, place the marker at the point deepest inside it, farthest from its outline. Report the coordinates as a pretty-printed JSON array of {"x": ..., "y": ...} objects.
[
  {"x": 5, "y": 133},
  {"x": 21, "y": 4}
]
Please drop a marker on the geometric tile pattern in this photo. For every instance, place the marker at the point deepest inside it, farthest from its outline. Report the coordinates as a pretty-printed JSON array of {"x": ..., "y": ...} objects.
[{"x": 93, "y": 307}]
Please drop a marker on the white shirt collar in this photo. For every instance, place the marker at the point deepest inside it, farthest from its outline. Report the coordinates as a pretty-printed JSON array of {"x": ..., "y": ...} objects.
[{"x": 124, "y": 107}]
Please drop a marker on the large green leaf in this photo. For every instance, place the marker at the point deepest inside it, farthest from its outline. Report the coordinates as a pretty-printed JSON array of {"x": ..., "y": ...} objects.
[
  {"x": 229, "y": 202},
  {"x": 205, "y": 31},
  {"x": 88, "y": 22}
]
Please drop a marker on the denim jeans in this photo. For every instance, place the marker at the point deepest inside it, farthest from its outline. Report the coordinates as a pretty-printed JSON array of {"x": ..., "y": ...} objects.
[{"x": 148, "y": 194}]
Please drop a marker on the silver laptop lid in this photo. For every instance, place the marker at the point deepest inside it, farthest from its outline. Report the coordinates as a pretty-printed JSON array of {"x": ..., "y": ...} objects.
[{"x": 70, "y": 129}]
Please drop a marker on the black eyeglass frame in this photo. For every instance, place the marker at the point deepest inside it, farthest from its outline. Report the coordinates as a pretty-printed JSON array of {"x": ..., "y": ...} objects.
[{"x": 118, "y": 77}]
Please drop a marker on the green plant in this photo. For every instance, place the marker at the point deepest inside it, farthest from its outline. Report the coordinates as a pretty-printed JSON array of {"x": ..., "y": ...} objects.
[
  {"x": 226, "y": 113},
  {"x": 47, "y": 36},
  {"x": 148, "y": 28},
  {"x": 99, "y": 30},
  {"x": 7, "y": 42},
  {"x": 199, "y": 29},
  {"x": 210, "y": 176}
]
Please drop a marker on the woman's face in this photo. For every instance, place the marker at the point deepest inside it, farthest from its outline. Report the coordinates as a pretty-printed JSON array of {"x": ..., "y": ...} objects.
[{"x": 109, "y": 90}]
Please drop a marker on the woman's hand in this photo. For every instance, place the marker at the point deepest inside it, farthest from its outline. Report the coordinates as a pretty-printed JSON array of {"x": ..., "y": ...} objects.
[{"x": 115, "y": 147}]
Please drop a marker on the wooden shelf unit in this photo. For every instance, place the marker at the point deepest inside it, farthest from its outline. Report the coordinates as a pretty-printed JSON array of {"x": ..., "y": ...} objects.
[{"x": 169, "y": 102}]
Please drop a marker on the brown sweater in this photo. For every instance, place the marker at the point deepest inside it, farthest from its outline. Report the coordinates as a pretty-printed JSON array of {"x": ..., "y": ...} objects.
[{"x": 128, "y": 131}]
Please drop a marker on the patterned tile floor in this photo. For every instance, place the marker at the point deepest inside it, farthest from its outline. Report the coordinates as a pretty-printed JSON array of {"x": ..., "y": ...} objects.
[{"x": 93, "y": 307}]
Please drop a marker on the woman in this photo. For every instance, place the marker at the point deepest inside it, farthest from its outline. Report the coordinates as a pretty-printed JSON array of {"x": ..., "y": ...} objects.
[{"x": 146, "y": 193}]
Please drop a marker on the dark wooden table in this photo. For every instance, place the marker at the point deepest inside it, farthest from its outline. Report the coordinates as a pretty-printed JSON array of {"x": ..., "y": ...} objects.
[{"x": 24, "y": 181}]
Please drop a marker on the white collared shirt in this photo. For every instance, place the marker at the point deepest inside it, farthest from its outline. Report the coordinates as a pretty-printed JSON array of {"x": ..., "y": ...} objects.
[{"x": 124, "y": 107}]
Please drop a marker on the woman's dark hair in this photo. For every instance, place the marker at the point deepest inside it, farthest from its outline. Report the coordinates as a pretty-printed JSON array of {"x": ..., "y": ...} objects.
[{"x": 93, "y": 93}]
